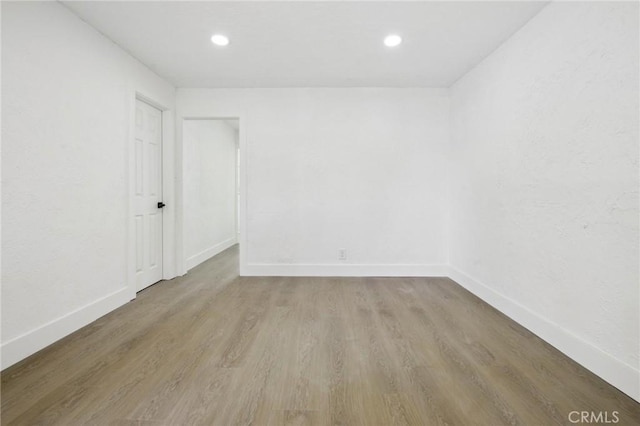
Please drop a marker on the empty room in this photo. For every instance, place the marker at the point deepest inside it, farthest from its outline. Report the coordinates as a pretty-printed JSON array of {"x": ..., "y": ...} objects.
[{"x": 370, "y": 213}]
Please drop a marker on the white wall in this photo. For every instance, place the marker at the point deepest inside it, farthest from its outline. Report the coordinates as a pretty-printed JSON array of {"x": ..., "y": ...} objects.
[
  {"x": 544, "y": 188},
  {"x": 67, "y": 97},
  {"x": 209, "y": 158},
  {"x": 360, "y": 169}
]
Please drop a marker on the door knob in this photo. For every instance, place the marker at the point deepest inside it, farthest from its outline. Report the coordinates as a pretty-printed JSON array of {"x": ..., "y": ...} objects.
[{"x": 161, "y": 205}]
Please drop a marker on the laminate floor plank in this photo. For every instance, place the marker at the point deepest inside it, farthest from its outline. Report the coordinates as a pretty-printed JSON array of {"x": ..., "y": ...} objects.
[{"x": 213, "y": 348}]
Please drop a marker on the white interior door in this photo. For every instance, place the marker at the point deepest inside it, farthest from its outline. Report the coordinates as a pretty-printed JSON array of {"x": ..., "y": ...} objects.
[{"x": 148, "y": 195}]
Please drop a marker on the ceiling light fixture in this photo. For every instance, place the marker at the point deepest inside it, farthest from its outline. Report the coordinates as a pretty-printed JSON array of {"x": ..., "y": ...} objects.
[
  {"x": 219, "y": 40},
  {"x": 392, "y": 40}
]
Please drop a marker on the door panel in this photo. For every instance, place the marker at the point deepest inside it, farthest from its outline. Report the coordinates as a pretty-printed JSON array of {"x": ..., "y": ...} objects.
[{"x": 148, "y": 192}]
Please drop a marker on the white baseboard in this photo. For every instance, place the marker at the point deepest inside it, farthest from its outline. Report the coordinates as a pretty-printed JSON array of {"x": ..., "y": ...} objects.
[
  {"x": 207, "y": 254},
  {"x": 621, "y": 375},
  {"x": 29, "y": 343},
  {"x": 344, "y": 270}
]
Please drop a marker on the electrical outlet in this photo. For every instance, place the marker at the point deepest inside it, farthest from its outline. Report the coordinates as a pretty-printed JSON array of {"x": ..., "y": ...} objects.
[{"x": 342, "y": 254}]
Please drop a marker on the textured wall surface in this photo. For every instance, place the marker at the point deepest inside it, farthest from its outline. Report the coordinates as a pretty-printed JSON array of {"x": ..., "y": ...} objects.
[
  {"x": 66, "y": 104},
  {"x": 209, "y": 186},
  {"x": 544, "y": 188},
  {"x": 360, "y": 169}
]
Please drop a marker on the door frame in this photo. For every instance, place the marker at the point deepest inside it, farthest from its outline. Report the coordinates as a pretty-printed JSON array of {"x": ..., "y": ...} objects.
[
  {"x": 168, "y": 192},
  {"x": 241, "y": 226}
]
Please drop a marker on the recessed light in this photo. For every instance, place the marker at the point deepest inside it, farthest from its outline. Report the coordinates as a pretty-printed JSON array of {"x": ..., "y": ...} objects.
[
  {"x": 392, "y": 40},
  {"x": 219, "y": 40}
]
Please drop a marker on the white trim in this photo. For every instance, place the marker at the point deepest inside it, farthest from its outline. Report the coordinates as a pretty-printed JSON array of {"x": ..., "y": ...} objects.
[
  {"x": 168, "y": 195},
  {"x": 622, "y": 376},
  {"x": 345, "y": 270},
  {"x": 243, "y": 226},
  {"x": 31, "y": 342},
  {"x": 207, "y": 254}
]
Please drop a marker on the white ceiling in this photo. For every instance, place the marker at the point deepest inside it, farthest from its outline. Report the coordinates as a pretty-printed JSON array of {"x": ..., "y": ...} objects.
[{"x": 308, "y": 44}]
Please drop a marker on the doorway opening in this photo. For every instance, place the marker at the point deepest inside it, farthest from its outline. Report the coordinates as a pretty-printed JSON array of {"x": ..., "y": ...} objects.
[{"x": 211, "y": 187}]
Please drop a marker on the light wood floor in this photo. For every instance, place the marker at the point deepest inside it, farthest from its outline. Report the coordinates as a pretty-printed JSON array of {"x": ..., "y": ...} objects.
[{"x": 213, "y": 348}]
